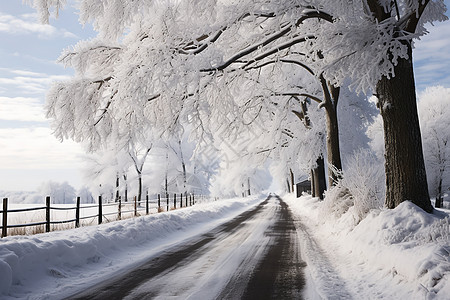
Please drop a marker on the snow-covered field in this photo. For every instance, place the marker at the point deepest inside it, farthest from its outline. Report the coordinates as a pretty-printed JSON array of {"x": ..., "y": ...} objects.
[
  {"x": 392, "y": 254},
  {"x": 88, "y": 212}
]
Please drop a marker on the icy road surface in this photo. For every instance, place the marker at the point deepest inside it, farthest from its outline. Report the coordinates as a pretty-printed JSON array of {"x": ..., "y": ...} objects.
[{"x": 253, "y": 256}]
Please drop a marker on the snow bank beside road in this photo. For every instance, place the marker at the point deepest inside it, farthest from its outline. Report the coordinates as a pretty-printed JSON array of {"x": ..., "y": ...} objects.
[
  {"x": 59, "y": 263},
  {"x": 401, "y": 253}
]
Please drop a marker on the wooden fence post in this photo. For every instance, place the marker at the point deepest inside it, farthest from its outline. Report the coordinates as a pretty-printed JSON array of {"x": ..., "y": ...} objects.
[
  {"x": 167, "y": 201},
  {"x": 190, "y": 199},
  {"x": 159, "y": 202},
  {"x": 119, "y": 212},
  {"x": 47, "y": 214},
  {"x": 146, "y": 204},
  {"x": 181, "y": 200},
  {"x": 175, "y": 201},
  {"x": 77, "y": 213},
  {"x": 193, "y": 199},
  {"x": 100, "y": 210},
  {"x": 135, "y": 206},
  {"x": 5, "y": 218},
  {"x": 185, "y": 197}
]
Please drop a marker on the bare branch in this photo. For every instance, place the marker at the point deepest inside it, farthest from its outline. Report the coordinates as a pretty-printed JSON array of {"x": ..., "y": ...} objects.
[
  {"x": 105, "y": 110},
  {"x": 299, "y": 95},
  {"x": 299, "y": 114},
  {"x": 187, "y": 49},
  {"x": 249, "y": 50},
  {"x": 279, "y": 48},
  {"x": 289, "y": 61},
  {"x": 154, "y": 97}
]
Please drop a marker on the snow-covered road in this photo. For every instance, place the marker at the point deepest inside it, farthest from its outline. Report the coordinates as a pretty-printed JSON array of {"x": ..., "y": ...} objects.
[
  {"x": 250, "y": 257},
  {"x": 242, "y": 248}
]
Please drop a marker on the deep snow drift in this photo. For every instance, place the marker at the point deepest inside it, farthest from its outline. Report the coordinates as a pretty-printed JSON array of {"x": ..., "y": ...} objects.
[{"x": 401, "y": 253}]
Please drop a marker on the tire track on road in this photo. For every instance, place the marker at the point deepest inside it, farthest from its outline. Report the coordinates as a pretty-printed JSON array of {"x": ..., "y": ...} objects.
[{"x": 254, "y": 256}]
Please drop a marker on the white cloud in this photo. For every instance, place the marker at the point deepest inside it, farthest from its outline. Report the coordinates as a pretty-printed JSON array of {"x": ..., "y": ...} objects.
[
  {"x": 36, "y": 148},
  {"x": 432, "y": 56},
  {"x": 21, "y": 109},
  {"x": 29, "y": 82},
  {"x": 28, "y": 24},
  {"x": 435, "y": 44},
  {"x": 27, "y": 73}
]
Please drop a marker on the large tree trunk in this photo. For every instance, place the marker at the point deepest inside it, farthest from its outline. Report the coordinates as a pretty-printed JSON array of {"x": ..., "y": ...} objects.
[
  {"x": 405, "y": 169},
  {"x": 318, "y": 179},
  {"x": 333, "y": 149},
  {"x": 331, "y": 98}
]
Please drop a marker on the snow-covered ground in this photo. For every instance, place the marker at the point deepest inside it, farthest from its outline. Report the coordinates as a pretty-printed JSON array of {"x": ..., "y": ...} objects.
[
  {"x": 57, "y": 264},
  {"x": 391, "y": 254}
]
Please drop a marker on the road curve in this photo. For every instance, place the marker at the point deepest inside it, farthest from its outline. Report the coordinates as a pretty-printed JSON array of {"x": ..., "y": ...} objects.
[{"x": 254, "y": 256}]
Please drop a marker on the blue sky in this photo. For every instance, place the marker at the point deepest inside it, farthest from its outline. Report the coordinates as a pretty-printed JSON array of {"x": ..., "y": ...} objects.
[{"x": 29, "y": 154}]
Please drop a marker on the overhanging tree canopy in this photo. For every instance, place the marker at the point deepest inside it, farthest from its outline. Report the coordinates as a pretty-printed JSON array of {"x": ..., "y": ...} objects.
[{"x": 174, "y": 52}]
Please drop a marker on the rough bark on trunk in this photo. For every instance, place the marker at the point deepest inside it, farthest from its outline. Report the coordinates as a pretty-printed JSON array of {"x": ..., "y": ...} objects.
[
  {"x": 333, "y": 149},
  {"x": 318, "y": 178},
  {"x": 331, "y": 98},
  {"x": 405, "y": 168}
]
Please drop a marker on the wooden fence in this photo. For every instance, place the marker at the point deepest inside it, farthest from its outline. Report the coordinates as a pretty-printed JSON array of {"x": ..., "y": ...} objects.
[{"x": 163, "y": 204}]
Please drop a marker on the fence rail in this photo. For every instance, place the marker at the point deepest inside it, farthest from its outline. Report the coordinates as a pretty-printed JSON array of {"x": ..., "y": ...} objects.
[{"x": 183, "y": 200}]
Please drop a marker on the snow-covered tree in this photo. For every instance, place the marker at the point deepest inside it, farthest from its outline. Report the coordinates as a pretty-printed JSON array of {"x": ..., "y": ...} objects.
[
  {"x": 169, "y": 62},
  {"x": 105, "y": 98},
  {"x": 106, "y": 168},
  {"x": 60, "y": 193},
  {"x": 85, "y": 195},
  {"x": 396, "y": 24},
  {"x": 434, "y": 112},
  {"x": 139, "y": 156}
]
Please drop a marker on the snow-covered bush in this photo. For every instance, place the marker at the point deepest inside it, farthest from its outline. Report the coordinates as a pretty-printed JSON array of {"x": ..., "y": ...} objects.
[
  {"x": 337, "y": 201},
  {"x": 85, "y": 195},
  {"x": 364, "y": 178},
  {"x": 361, "y": 185},
  {"x": 60, "y": 193}
]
